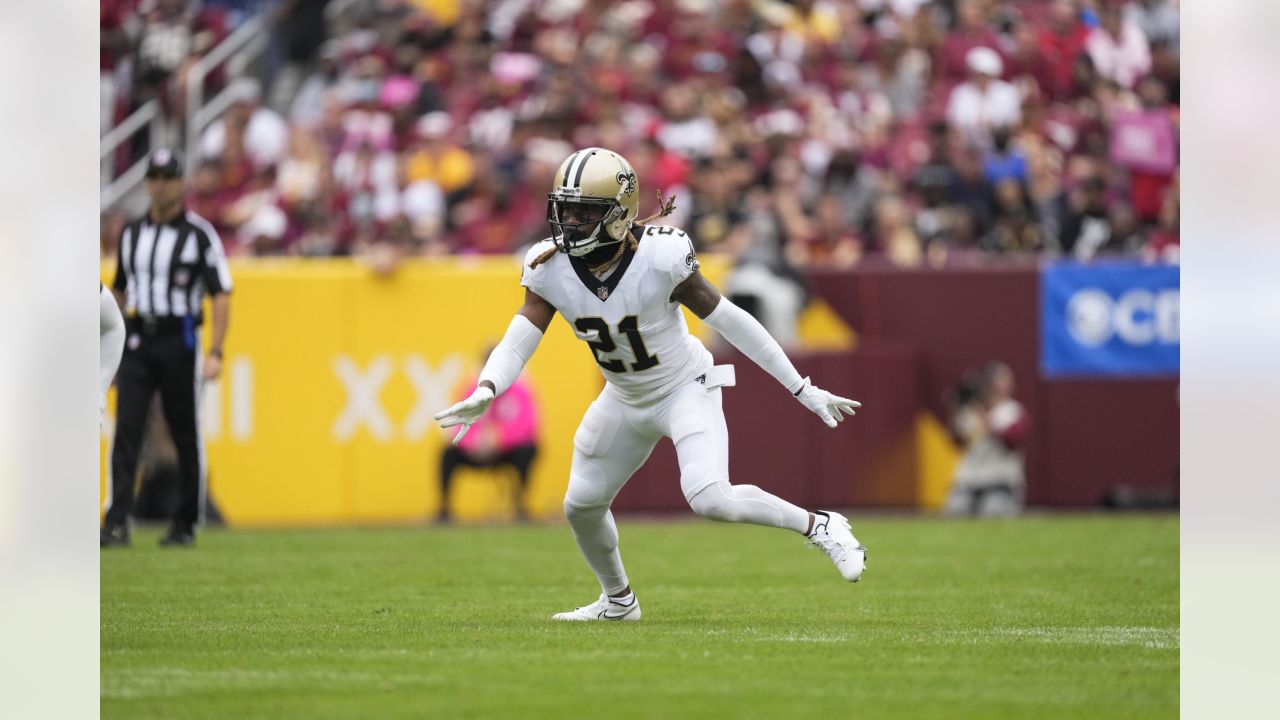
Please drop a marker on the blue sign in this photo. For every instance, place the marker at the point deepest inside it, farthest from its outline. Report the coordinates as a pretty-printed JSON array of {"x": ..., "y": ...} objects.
[{"x": 1109, "y": 320}]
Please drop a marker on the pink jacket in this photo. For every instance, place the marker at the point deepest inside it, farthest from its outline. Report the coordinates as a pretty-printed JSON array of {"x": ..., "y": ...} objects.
[{"x": 512, "y": 420}]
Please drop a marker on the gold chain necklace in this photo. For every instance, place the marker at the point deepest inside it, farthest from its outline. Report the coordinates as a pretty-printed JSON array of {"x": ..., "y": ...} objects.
[{"x": 602, "y": 267}]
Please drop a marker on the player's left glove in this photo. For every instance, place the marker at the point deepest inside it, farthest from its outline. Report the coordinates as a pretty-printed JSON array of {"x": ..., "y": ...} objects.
[
  {"x": 467, "y": 412},
  {"x": 831, "y": 408}
]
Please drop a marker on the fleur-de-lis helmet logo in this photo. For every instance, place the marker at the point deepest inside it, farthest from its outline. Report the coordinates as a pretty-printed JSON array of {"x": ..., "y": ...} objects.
[{"x": 628, "y": 182}]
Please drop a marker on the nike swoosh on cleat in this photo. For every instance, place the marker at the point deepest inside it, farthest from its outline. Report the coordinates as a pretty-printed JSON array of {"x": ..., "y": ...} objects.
[{"x": 605, "y": 614}]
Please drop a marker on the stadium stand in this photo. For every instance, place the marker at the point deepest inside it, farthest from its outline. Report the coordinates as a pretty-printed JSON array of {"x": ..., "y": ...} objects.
[{"x": 828, "y": 131}]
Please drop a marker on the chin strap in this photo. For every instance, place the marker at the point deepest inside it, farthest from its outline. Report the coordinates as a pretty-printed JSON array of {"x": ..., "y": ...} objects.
[
  {"x": 560, "y": 248},
  {"x": 612, "y": 217},
  {"x": 589, "y": 238}
]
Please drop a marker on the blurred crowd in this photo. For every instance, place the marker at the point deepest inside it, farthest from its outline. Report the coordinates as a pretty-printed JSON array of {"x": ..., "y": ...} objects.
[{"x": 796, "y": 135}]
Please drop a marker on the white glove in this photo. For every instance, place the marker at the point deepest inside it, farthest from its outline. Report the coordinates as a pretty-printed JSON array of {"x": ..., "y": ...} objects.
[
  {"x": 467, "y": 412},
  {"x": 831, "y": 408}
]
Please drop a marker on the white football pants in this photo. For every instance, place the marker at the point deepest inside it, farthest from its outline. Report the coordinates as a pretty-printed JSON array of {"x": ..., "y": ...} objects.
[{"x": 615, "y": 439}]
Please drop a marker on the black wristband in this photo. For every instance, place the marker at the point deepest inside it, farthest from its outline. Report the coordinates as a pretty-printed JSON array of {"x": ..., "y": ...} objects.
[{"x": 215, "y": 352}]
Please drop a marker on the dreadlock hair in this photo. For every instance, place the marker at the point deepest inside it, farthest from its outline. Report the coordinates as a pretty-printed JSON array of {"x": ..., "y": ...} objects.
[{"x": 665, "y": 208}]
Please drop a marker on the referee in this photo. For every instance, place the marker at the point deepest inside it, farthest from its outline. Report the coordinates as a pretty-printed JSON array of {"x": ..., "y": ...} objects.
[{"x": 169, "y": 259}]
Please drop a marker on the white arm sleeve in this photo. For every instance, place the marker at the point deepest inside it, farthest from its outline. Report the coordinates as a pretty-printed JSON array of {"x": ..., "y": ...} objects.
[
  {"x": 508, "y": 359},
  {"x": 110, "y": 342},
  {"x": 748, "y": 335}
]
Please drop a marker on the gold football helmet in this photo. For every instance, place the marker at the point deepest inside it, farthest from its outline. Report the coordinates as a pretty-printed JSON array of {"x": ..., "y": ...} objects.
[{"x": 594, "y": 186}]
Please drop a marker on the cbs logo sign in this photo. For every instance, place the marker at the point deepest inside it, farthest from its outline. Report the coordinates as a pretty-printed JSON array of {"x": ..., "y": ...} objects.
[{"x": 1138, "y": 317}]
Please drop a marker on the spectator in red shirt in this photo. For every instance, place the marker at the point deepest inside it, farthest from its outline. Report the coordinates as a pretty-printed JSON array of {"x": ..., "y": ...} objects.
[
  {"x": 990, "y": 480},
  {"x": 971, "y": 31},
  {"x": 1062, "y": 41},
  {"x": 208, "y": 197},
  {"x": 1163, "y": 243},
  {"x": 1030, "y": 62},
  {"x": 113, "y": 19}
]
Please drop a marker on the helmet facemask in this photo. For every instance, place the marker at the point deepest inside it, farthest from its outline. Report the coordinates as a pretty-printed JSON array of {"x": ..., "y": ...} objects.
[{"x": 579, "y": 224}]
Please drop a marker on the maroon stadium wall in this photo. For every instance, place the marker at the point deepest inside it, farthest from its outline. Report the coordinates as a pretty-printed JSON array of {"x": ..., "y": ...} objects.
[{"x": 919, "y": 330}]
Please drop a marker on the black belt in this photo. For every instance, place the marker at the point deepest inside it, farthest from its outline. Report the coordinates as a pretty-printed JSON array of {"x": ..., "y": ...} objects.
[{"x": 149, "y": 325}]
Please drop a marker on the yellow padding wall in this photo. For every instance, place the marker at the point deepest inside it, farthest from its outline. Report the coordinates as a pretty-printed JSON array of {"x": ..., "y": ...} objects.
[{"x": 331, "y": 376}]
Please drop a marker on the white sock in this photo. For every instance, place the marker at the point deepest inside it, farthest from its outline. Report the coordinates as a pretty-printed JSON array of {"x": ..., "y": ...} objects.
[
  {"x": 597, "y": 536},
  {"x": 748, "y": 504},
  {"x": 820, "y": 520},
  {"x": 627, "y": 599}
]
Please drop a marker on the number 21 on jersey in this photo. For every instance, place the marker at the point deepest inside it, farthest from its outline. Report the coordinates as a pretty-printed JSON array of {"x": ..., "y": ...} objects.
[{"x": 603, "y": 343}]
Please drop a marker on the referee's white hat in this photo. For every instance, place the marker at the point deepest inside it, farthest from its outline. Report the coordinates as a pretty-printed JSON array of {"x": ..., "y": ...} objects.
[{"x": 165, "y": 162}]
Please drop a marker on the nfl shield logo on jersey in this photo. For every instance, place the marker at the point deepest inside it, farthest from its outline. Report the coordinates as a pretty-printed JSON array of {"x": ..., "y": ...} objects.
[{"x": 603, "y": 292}]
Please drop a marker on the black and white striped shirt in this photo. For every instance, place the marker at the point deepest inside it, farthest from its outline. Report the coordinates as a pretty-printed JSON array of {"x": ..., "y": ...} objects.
[{"x": 165, "y": 269}]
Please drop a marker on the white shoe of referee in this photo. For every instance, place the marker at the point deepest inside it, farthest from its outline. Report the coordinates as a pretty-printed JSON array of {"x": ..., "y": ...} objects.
[
  {"x": 606, "y": 608},
  {"x": 831, "y": 533}
]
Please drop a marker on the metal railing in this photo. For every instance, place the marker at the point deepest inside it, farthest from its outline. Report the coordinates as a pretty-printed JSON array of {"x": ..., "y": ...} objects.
[
  {"x": 245, "y": 43},
  {"x": 115, "y": 188},
  {"x": 239, "y": 49}
]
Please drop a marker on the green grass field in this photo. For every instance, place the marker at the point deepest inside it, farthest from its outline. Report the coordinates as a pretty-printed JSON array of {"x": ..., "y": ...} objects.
[{"x": 1045, "y": 617}]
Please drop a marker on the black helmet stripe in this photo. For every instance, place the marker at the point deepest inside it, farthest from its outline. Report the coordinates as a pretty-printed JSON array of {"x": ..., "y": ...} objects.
[
  {"x": 582, "y": 165},
  {"x": 568, "y": 167}
]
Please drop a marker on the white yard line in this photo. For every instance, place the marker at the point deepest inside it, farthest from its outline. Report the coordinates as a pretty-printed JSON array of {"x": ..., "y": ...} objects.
[{"x": 1110, "y": 636}]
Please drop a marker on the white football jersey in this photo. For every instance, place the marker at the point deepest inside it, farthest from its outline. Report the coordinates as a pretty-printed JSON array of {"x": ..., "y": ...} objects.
[{"x": 636, "y": 331}]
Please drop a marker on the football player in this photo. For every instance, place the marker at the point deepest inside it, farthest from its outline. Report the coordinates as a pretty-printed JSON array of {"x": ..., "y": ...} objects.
[
  {"x": 620, "y": 284},
  {"x": 110, "y": 345}
]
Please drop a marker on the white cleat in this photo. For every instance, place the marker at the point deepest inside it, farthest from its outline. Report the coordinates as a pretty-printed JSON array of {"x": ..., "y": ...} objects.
[
  {"x": 603, "y": 609},
  {"x": 831, "y": 533}
]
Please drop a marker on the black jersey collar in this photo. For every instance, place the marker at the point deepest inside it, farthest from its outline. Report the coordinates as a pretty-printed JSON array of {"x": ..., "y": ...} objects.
[{"x": 603, "y": 289}]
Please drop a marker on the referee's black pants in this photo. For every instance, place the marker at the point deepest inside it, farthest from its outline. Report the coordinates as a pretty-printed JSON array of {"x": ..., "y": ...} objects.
[{"x": 165, "y": 359}]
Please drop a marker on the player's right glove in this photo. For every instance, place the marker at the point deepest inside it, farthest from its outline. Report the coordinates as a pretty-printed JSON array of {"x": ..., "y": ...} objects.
[
  {"x": 831, "y": 408},
  {"x": 467, "y": 412}
]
